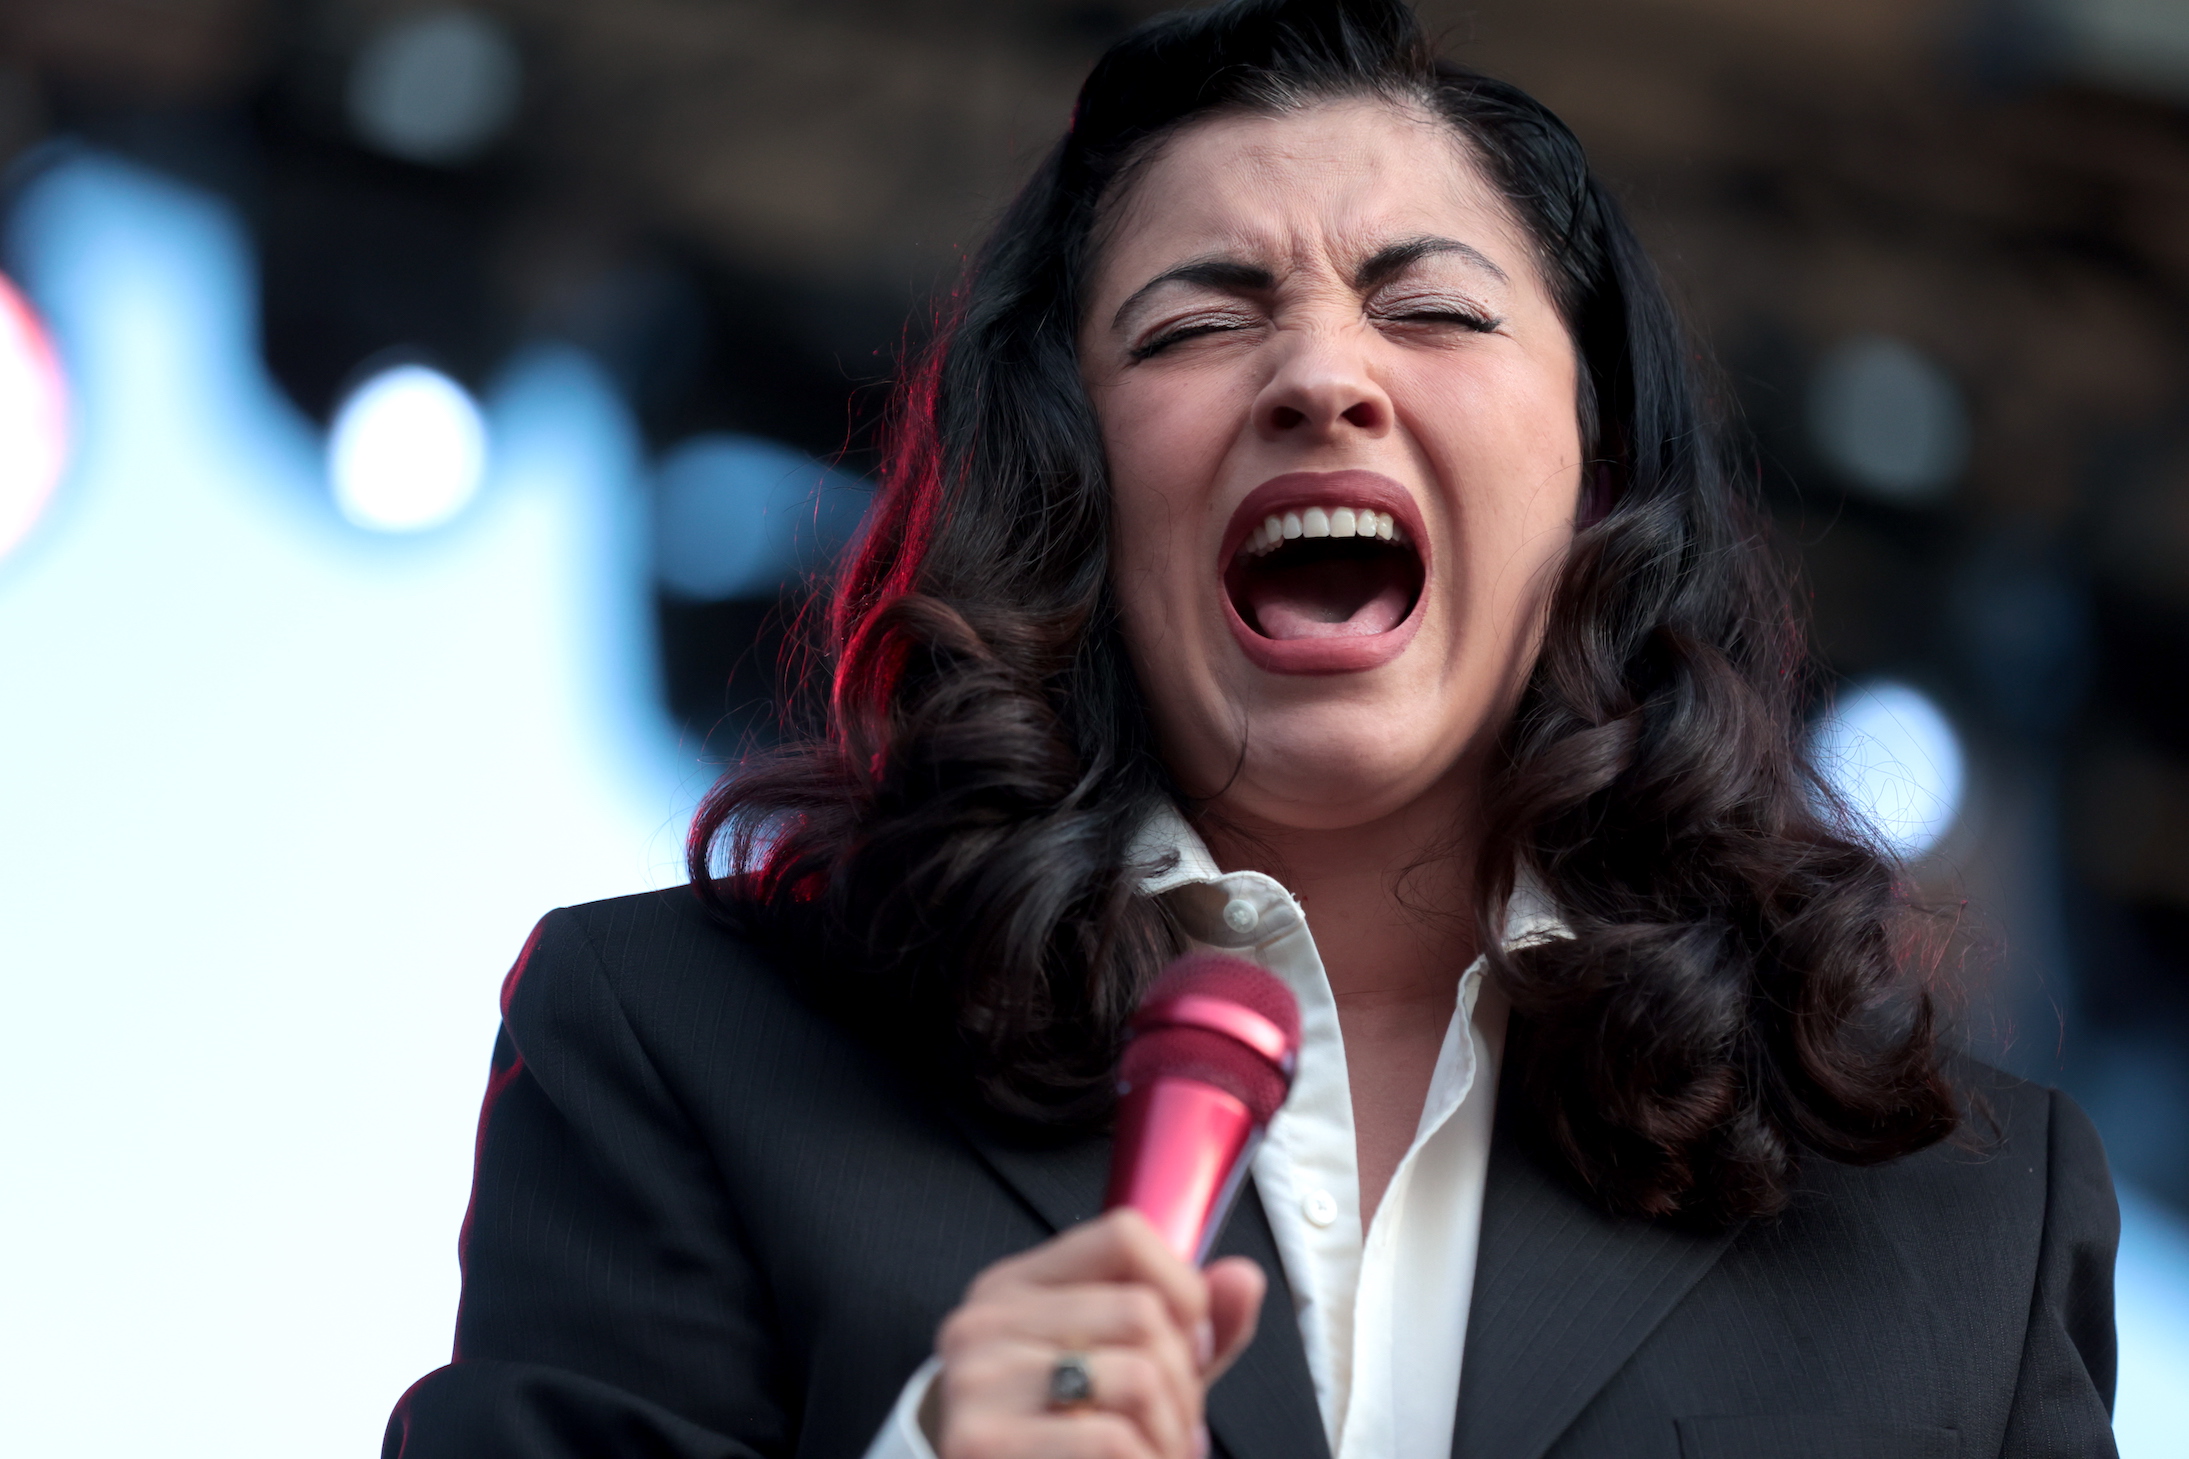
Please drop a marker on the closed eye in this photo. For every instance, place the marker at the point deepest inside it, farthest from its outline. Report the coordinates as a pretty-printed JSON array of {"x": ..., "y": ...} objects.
[
  {"x": 1179, "y": 334},
  {"x": 1442, "y": 314}
]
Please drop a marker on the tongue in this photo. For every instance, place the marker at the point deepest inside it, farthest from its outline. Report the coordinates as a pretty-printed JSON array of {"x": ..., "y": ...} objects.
[{"x": 1324, "y": 604}]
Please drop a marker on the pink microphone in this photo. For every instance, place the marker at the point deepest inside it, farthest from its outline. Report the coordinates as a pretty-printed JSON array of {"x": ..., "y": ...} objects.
[{"x": 1210, "y": 1060}]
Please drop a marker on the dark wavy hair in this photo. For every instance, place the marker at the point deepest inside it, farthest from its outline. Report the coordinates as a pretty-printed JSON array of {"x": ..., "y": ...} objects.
[{"x": 943, "y": 850}]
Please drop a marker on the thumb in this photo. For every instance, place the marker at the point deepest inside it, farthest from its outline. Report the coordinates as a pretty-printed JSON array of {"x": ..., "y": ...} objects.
[{"x": 1236, "y": 1287}]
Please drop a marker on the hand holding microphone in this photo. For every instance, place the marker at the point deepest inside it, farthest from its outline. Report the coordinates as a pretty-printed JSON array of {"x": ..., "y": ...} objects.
[{"x": 1102, "y": 1341}]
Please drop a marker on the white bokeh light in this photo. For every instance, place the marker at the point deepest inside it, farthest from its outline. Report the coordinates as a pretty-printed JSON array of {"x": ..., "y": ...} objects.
[
  {"x": 1894, "y": 760},
  {"x": 33, "y": 418},
  {"x": 407, "y": 452}
]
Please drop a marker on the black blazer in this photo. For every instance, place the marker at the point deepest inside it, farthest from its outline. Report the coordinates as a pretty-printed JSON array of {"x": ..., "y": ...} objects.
[{"x": 709, "y": 1224}]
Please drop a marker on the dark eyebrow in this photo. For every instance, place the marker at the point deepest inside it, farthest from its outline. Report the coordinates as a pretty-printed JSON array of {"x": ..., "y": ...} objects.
[
  {"x": 1226, "y": 274},
  {"x": 1396, "y": 258}
]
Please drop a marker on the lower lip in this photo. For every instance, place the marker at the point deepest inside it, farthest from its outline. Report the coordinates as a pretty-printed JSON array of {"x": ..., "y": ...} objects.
[
  {"x": 1343, "y": 654},
  {"x": 1340, "y": 653}
]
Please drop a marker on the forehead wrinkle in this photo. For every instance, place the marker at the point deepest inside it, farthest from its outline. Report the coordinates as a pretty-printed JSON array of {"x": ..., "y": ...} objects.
[
  {"x": 1256, "y": 222},
  {"x": 1285, "y": 233},
  {"x": 1365, "y": 240},
  {"x": 1252, "y": 259}
]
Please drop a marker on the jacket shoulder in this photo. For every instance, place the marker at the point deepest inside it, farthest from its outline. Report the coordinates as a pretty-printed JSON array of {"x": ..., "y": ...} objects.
[
  {"x": 2024, "y": 1167},
  {"x": 2021, "y": 1128},
  {"x": 646, "y": 928},
  {"x": 654, "y": 965}
]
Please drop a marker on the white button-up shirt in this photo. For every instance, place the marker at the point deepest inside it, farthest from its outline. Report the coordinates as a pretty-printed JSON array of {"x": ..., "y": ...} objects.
[{"x": 1382, "y": 1313}]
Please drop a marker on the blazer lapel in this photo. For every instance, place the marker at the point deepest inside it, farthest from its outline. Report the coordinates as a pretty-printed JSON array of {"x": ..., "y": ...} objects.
[
  {"x": 1062, "y": 1180},
  {"x": 1264, "y": 1408},
  {"x": 1564, "y": 1294}
]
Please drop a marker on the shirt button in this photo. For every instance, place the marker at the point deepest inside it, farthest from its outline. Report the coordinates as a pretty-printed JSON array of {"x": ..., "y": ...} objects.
[
  {"x": 1320, "y": 1207},
  {"x": 1239, "y": 915}
]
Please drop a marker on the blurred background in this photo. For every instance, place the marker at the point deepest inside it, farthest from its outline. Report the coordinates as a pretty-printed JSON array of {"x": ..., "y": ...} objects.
[{"x": 418, "y": 423}]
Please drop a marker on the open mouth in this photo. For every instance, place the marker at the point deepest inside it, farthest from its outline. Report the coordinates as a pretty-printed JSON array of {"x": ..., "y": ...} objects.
[{"x": 1325, "y": 571}]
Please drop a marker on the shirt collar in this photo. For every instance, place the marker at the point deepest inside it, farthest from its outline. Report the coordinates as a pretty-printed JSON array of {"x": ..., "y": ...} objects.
[{"x": 1170, "y": 854}]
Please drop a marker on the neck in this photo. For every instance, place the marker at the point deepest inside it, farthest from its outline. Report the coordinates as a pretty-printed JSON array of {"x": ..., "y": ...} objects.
[{"x": 1388, "y": 901}]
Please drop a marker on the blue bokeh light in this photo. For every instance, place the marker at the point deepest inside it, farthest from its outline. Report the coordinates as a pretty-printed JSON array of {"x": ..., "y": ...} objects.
[
  {"x": 2151, "y": 1312},
  {"x": 1892, "y": 758},
  {"x": 439, "y": 86},
  {"x": 280, "y": 801},
  {"x": 735, "y": 516}
]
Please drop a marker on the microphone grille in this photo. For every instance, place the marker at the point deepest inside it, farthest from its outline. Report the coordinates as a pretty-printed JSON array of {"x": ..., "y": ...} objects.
[
  {"x": 1190, "y": 1052},
  {"x": 1234, "y": 980}
]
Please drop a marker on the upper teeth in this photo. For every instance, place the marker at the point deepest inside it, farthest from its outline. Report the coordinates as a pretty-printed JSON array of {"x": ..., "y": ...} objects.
[{"x": 1321, "y": 522}]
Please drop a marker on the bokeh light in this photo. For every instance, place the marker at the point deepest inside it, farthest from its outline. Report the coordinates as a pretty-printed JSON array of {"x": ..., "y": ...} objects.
[
  {"x": 437, "y": 88},
  {"x": 1889, "y": 420},
  {"x": 734, "y": 516},
  {"x": 407, "y": 452},
  {"x": 1893, "y": 760},
  {"x": 33, "y": 418},
  {"x": 240, "y": 1097}
]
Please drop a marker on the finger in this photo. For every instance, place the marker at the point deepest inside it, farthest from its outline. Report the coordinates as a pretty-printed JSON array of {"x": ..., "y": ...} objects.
[
  {"x": 1128, "y": 1382},
  {"x": 1162, "y": 1394},
  {"x": 1236, "y": 1288},
  {"x": 1105, "y": 1315},
  {"x": 1010, "y": 1379},
  {"x": 1119, "y": 1246},
  {"x": 1091, "y": 1435}
]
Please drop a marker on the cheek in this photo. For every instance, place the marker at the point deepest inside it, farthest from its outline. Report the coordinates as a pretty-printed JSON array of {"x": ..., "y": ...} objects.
[
  {"x": 1145, "y": 542},
  {"x": 1146, "y": 499},
  {"x": 1505, "y": 436},
  {"x": 1506, "y": 443},
  {"x": 1163, "y": 447},
  {"x": 1159, "y": 441},
  {"x": 1505, "y": 420}
]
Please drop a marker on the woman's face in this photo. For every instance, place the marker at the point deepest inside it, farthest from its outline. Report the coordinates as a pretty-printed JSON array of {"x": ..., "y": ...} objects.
[{"x": 1328, "y": 321}]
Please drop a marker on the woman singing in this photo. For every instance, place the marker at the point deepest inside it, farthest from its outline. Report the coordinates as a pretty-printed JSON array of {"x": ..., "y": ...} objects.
[{"x": 1307, "y": 540}]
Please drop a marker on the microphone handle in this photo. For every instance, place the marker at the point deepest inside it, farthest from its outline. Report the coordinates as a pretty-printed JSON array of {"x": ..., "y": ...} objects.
[{"x": 1183, "y": 1148}]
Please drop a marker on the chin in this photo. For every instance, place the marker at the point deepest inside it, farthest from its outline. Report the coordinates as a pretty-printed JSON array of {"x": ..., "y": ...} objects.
[
  {"x": 1335, "y": 772},
  {"x": 1260, "y": 808}
]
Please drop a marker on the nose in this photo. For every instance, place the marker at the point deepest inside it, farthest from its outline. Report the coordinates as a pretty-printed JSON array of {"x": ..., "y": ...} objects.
[{"x": 1321, "y": 393}]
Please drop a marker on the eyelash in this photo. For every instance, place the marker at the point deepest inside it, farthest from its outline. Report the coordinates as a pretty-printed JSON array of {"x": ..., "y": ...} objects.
[
  {"x": 1180, "y": 333},
  {"x": 1479, "y": 323},
  {"x": 1475, "y": 320}
]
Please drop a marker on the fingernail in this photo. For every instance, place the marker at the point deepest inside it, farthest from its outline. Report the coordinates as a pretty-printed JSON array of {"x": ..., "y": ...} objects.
[
  {"x": 1204, "y": 1343},
  {"x": 1201, "y": 1442}
]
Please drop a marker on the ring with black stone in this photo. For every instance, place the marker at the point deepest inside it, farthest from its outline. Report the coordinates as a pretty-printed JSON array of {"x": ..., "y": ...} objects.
[{"x": 1071, "y": 1383}]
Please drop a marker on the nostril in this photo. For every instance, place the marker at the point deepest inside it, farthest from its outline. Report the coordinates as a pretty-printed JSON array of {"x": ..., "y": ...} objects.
[
  {"x": 1284, "y": 417},
  {"x": 1363, "y": 415}
]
